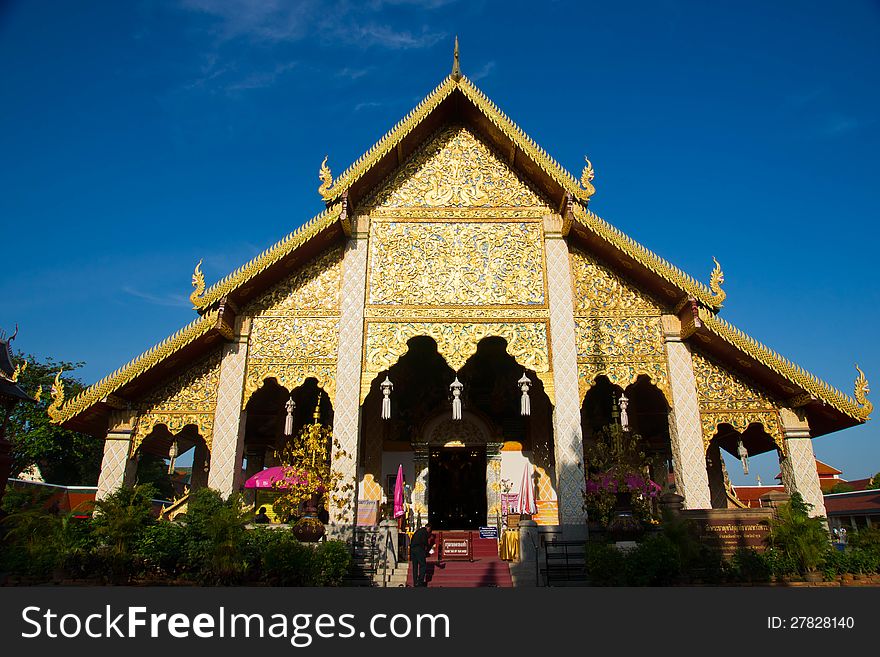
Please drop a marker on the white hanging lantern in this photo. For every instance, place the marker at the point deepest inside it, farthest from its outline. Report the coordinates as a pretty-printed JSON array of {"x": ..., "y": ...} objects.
[
  {"x": 288, "y": 421},
  {"x": 455, "y": 388},
  {"x": 172, "y": 455},
  {"x": 743, "y": 456},
  {"x": 386, "y": 387},
  {"x": 624, "y": 416},
  {"x": 525, "y": 405}
]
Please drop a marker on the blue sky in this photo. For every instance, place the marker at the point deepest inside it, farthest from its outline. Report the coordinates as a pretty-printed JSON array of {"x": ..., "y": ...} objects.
[{"x": 138, "y": 137}]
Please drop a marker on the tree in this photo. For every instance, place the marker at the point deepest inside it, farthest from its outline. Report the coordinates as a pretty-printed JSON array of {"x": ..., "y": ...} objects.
[
  {"x": 874, "y": 483},
  {"x": 63, "y": 456}
]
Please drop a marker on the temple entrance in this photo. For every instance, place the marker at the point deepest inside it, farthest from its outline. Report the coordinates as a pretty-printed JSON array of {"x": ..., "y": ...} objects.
[{"x": 457, "y": 494}]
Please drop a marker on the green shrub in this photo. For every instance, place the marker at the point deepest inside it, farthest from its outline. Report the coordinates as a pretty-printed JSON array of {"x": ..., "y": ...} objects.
[
  {"x": 749, "y": 565},
  {"x": 605, "y": 565},
  {"x": 276, "y": 557},
  {"x": 801, "y": 538},
  {"x": 214, "y": 530},
  {"x": 332, "y": 561},
  {"x": 162, "y": 548},
  {"x": 119, "y": 522},
  {"x": 654, "y": 562}
]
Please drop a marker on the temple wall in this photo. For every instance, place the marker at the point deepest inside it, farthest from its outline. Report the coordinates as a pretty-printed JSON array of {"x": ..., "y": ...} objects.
[
  {"x": 295, "y": 328},
  {"x": 189, "y": 398}
]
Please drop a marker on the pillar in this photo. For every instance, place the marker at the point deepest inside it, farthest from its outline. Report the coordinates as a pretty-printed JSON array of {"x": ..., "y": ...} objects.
[
  {"x": 493, "y": 484},
  {"x": 420, "y": 487},
  {"x": 567, "y": 434},
  {"x": 227, "y": 447},
  {"x": 347, "y": 408},
  {"x": 199, "y": 477},
  {"x": 117, "y": 469},
  {"x": 799, "y": 463},
  {"x": 685, "y": 429},
  {"x": 715, "y": 473}
]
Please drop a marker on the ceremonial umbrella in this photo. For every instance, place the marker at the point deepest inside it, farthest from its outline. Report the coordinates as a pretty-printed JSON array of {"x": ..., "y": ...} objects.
[
  {"x": 279, "y": 478},
  {"x": 525, "y": 504},
  {"x": 398, "y": 493}
]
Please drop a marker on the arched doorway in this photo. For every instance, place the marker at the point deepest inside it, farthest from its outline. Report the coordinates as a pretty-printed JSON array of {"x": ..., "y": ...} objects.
[
  {"x": 741, "y": 445},
  {"x": 267, "y": 411},
  {"x": 174, "y": 464},
  {"x": 453, "y": 466}
]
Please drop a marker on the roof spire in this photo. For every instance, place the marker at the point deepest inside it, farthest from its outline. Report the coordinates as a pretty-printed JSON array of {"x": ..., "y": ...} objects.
[{"x": 456, "y": 64}]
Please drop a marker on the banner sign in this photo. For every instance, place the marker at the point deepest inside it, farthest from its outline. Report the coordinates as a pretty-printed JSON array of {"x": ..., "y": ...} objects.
[
  {"x": 488, "y": 532},
  {"x": 456, "y": 547}
]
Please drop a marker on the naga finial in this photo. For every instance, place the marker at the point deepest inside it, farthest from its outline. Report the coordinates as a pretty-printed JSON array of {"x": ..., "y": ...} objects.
[
  {"x": 861, "y": 392},
  {"x": 54, "y": 409},
  {"x": 456, "y": 62},
  {"x": 326, "y": 180},
  {"x": 715, "y": 282},
  {"x": 19, "y": 369},
  {"x": 198, "y": 283},
  {"x": 587, "y": 176}
]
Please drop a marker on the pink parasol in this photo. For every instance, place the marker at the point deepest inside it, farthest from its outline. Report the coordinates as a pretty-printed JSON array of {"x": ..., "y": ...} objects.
[
  {"x": 398, "y": 493},
  {"x": 525, "y": 504},
  {"x": 279, "y": 478}
]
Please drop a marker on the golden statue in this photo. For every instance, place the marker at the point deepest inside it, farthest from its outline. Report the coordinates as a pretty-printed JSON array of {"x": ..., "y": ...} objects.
[
  {"x": 198, "y": 283},
  {"x": 587, "y": 176},
  {"x": 326, "y": 180},
  {"x": 715, "y": 282},
  {"x": 861, "y": 392}
]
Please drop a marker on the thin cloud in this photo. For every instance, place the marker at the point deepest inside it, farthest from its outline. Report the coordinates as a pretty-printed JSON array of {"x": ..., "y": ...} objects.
[
  {"x": 172, "y": 300},
  {"x": 483, "y": 72},
  {"x": 366, "y": 105}
]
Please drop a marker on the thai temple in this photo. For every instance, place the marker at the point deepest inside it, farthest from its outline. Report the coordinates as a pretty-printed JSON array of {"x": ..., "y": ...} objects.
[{"x": 456, "y": 309}]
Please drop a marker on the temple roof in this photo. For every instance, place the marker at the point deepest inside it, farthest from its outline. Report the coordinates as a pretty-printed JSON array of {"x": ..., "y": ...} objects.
[
  {"x": 457, "y": 99},
  {"x": 9, "y": 371}
]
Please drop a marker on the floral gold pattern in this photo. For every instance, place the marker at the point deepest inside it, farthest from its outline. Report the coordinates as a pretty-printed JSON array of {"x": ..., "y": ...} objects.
[
  {"x": 618, "y": 328},
  {"x": 445, "y": 263},
  {"x": 189, "y": 398}
]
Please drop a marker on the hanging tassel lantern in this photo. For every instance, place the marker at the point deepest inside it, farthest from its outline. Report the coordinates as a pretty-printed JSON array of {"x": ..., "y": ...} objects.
[
  {"x": 386, "y": 387},
  {"x": 172, "y": 455},
  {"x": 455, "y": 387},
  {"x": 743, "y": 456},
  {"x": 525, "y": 404},
  {"x": 288, "y": 421},
  {"x": 624, "y": 416}
]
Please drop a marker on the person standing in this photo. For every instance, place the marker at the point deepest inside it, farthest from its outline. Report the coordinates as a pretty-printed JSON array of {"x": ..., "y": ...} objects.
[{"x": 420, "y": 545}]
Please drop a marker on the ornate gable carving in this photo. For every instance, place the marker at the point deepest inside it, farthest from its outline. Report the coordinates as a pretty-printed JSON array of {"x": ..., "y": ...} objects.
[
  {"x": 618, "y": 330},
  {"x": 295, "y": 329},
  {"x": 727, "y": 398},
  {"x": 311, "y": 290},
  {"x": 453, "y": 170},
  {"x": 188, "y": 398}
]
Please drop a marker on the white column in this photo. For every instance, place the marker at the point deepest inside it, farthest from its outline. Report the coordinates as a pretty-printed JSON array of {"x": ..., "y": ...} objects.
[
  {"x": 567, "y": 434},
  {"x": 799, "y": 464},
  {"x": 229, "y": 420},
  {"x": 347, "y": 409},
  {"x": 685, "y": 429},
  {"x": 117, "y": 469}
]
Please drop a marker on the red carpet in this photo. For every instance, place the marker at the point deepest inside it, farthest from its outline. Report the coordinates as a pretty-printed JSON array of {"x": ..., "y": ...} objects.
[{"x": 485, "y": 570}]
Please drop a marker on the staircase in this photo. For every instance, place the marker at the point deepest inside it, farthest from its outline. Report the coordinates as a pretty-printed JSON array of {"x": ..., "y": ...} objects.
[{"x": 487, "y": 569}]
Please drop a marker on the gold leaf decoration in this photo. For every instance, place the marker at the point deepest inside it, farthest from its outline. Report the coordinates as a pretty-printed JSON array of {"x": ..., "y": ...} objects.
[
  {"x": 326, "y": 178},
  {"x": 198, "y": 283},
  {"x": 861, "y": 392},
  {"x": 715, "y": 282}
]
